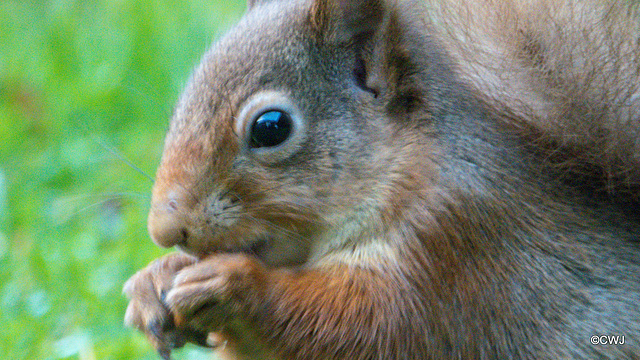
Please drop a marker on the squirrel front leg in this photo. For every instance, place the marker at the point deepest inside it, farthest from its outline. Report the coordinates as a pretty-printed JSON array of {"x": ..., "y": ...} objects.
[{"x": 337, "y": 312}]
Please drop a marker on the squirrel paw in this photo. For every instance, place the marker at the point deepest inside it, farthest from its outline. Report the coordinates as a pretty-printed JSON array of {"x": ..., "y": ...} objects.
[
  {"x": 147, "y": 310},
  {"x": 214, "y": 291}
]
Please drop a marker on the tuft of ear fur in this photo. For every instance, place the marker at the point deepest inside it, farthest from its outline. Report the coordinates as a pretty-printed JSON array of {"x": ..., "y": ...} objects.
[{"x": 345, "y": 20}]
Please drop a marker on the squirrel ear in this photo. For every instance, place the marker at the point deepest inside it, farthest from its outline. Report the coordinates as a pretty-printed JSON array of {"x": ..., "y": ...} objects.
[
  {"x": 387, "y": 49},
  {"x": 343, "y": 20}
]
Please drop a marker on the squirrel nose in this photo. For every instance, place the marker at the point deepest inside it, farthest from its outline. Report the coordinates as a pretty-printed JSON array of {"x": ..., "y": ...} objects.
[{"x": 167, "y": 223}]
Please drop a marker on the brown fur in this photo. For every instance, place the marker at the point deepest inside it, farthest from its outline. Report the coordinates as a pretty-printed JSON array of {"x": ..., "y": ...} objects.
[{"x": 462, "y": 183}]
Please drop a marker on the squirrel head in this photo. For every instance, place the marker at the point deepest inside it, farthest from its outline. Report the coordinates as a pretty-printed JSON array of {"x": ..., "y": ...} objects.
[{"x": 306, "y": 128}]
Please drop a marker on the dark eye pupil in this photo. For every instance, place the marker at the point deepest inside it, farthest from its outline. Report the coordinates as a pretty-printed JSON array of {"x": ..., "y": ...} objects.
[{"x": 270, "y": 129}]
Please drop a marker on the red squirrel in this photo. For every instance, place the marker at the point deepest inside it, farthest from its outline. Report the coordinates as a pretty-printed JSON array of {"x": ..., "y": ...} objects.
[{"x": 380, "y": 179}]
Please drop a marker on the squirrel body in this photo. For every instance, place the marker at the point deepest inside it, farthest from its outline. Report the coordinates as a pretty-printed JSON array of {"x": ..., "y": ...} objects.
[{"x": 376, "y": 179}]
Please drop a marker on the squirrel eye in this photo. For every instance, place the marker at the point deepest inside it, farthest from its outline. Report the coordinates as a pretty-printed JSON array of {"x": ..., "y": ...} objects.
[{"x": 271, "y": 128}]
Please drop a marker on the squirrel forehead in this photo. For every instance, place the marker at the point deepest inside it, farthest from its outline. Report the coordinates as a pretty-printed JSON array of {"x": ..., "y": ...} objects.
[
  {"x": 266, "y": 49},
  {"x": 268, "y": 39}
]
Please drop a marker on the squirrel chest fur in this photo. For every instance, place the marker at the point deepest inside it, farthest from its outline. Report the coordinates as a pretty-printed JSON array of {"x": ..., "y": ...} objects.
[{"x": 378, "y": 179}]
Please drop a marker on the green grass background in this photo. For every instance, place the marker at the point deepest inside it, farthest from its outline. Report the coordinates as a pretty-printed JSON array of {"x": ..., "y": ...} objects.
[{"x": 85, "y": 84}]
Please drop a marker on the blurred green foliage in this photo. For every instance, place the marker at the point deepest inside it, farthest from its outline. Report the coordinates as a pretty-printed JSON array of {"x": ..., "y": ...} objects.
[{"x": 85, "y": 84}]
